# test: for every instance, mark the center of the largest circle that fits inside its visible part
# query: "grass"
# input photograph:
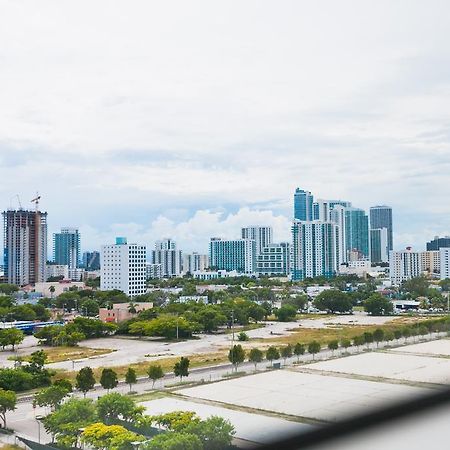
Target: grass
(59, 354)
(249, 327)
(10, 447)
(200, 360)
(149, 396)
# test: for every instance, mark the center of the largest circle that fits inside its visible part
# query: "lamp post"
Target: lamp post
(38, 419)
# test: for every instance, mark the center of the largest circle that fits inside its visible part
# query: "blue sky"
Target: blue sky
(191, 119)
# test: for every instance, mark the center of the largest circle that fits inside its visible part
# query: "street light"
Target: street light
(38, 419)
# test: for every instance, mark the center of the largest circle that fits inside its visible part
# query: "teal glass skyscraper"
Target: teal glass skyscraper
(381, 217)
(66, 248)
(357, 231)
(303, 205)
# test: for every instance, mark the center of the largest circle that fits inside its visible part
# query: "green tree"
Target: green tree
(272, 354)
(358, 341)
(333, 301)
(85, 380)
(215, 433)
(378, 335)
(112, 437)
(286, 313)
(8, 289)
(8, 402)
(64, 383)
(286, 352)
(236, 356)
(108, 379)
(243, 336)
(313, 348)
(389, 336)
(368, 338)
(299, 350)
(51, 396)
(423, 330)
(346, 343)
(155, 372)
(11, 336)
(114, 406)
(173, 441)
(333, 346)
(378, 305)
(398, 334)
(181, 368)
(255, 356)
(65, 422)
(130, 377)
(406, 333)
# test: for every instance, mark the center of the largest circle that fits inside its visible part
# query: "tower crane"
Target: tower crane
(36, 201)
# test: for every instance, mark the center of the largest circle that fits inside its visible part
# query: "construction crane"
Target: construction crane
(18, 201)
(36, 201)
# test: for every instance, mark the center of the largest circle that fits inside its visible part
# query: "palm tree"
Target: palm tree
(132, 308)
(52, 290)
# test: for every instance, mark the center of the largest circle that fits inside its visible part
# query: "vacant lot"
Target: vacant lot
(308, 396)
(439, 348)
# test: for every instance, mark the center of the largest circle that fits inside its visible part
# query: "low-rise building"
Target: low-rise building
(215, 274)
(57, 271)
(122, 311)
(53, 289)
(193, 298)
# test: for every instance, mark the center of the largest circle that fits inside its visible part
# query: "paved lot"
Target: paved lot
(324, 398)
(393, 365)
(439, 348)
(251, 427)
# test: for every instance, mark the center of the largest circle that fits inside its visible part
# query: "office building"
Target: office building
(261, 235)
(315, 250)
(381, 217)
(438, 242)
(230, 255)
(25, 246)
(274, 260)
(66, 248)
(153, 271)
(379, 245)
(169, 257)
(430, 262)
(123, 267)
(91, 261)
(323, 208)
(194, 262)
(303, 205)
(404, 265)
(444, 254)
(55, 271)
(357, 231)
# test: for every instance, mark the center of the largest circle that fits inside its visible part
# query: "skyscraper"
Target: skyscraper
(123, 267)
(315, 249)
(379, 248)
(303, 205)
(381, 217)
(193, 262)
(323, 208)
(261, 235)
(66, 248)
(438, 242)
(236, 254)
(275, 260)
(169, 257)
(404, 265)
(91, 261)
(25, 246)
(357, 231)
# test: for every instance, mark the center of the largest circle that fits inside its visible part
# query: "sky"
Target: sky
(188, 120)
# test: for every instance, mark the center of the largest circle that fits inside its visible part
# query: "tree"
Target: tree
(255, 356)
(65, 383)
(11, 336)
(286, 352)
(313, 348)
(65, 422)
(130, 377)
(368, 338)
(346, 343)
(155, 372)
(286, 313)
(108, 379)
(215, 433)
(173, 441)
(51, 396)
(85, 380)
(115, 406)
(272, 353)
(299, 350)
(398, 334)
(423, 330)
(175, 420)
(378, 335)
(333, 346)
(333, 301)
(114, 437)
(181, 368)
(378, 305)
(236, 356)
(406, 333)
(267, 306)
(358, 341)
(243, 336)
(165, 325)
(8, 402)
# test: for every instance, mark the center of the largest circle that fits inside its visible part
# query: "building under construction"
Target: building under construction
(25, 246)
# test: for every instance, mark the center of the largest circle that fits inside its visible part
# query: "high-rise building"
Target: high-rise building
(323, 208)
(66, 248)
(194, 262)
(315, 249)
(154, 271)
(25, 246)
(381, 217)
(379, 246)
(261, 235)
(430, 262)
(123, 267)
(404, 265)
(169, 257)
(438, 242)
(237, 254)
(357, 231)
(303, 205)
(444, 253)
(91, 261)
(274, 260)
